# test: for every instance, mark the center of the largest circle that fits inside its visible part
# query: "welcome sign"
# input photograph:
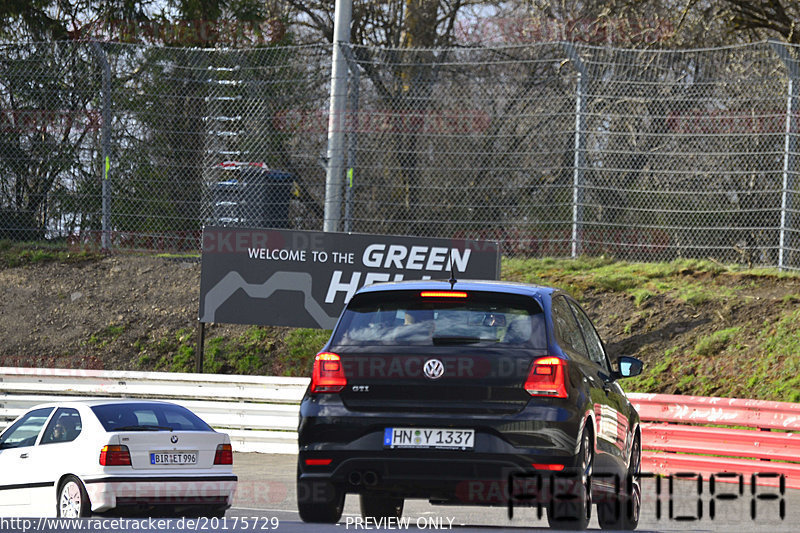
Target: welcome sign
(304, 278)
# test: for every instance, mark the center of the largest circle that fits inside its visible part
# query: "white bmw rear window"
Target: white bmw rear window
(148, 416)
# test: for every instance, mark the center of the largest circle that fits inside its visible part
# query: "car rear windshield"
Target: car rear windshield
(148, 417)
(409, 318)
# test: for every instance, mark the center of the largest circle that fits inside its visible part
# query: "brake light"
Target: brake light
(443, 294)
(328, 374)
(547, 378)
(318, 462)
(224, 455)
(550, 467)
(115, 456)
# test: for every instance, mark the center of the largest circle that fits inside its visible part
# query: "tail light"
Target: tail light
(115, 456)
(547, 378)
(328, 374)
(548, 466)
(224, 455)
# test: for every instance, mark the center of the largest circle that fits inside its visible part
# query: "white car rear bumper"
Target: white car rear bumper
(210, 491)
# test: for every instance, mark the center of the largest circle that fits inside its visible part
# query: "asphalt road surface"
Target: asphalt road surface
(266, 501)
(266, 490)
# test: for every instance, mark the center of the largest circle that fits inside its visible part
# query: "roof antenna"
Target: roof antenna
(452, 279)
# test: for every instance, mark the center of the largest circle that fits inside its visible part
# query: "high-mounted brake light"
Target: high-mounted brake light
(115, 456)
(328, 374)
(443, 294)
(223, 455)
(547, 378)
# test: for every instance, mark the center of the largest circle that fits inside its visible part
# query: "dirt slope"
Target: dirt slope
(124, 312)
(49, 312)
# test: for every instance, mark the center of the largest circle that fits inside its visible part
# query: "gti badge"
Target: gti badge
(173, 439)
(434, 369)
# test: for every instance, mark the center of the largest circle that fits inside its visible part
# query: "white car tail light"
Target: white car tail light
(115, 456)
(224, 455)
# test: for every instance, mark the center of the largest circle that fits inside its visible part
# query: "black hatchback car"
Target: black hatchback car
(469, 393)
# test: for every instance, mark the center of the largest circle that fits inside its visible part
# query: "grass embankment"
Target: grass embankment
(256, 351)
(701, 327)
(15, 254)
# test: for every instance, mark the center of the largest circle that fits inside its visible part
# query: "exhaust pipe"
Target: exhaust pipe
(370, 478)
(354, 478)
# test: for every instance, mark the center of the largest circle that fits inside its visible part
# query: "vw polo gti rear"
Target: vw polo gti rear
(454, 393)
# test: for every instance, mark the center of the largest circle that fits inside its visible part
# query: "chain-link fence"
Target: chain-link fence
(555, 149)
(195, 136)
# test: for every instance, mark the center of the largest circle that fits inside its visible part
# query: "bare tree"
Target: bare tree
(704, 23)
(761, 18)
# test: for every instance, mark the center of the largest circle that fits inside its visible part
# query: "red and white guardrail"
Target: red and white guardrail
(705, 436)
(260, 414)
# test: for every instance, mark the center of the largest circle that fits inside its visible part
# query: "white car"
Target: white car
(73, 459)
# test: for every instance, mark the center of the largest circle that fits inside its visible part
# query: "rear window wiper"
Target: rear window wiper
(142, 428)
(458, 339)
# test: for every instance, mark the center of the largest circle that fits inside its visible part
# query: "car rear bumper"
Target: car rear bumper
(348, 449)
(456, 477)
(175, 491)
(327, 425)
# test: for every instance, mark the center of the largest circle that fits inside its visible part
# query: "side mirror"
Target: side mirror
(629, 366)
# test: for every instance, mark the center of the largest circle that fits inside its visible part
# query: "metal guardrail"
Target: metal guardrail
(673, 442)
(261, 413)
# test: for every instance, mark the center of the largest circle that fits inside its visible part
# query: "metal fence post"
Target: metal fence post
(789, 148)
(352, 136)
(100, 54)
(580, 149)
(336, 122)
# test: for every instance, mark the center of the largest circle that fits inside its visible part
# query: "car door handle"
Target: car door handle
(23, 456)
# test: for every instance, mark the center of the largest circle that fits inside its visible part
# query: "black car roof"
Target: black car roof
(508, 287)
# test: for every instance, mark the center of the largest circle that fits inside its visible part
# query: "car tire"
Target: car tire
(72, 500)
(378, 506)
(319, 502)
(623, 512)
(574, 514)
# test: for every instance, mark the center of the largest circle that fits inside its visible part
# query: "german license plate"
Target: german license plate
(438, 438)
(173, 458)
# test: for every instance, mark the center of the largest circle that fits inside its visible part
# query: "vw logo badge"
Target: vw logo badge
(434, 369)
(173, 439)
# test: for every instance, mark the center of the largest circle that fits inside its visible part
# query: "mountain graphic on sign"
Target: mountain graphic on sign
(279, 281)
